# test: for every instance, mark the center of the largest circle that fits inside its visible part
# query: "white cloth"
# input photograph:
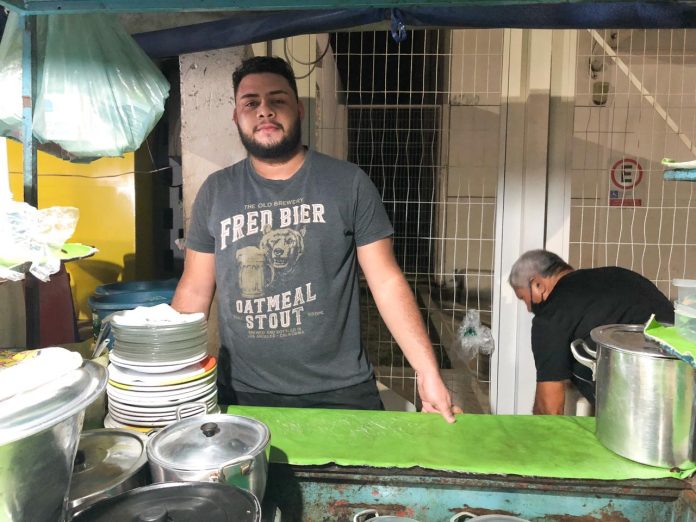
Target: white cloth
(33, 368)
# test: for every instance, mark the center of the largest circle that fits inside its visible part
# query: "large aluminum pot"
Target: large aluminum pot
(39, 433)
(644, 397)
(212, 448)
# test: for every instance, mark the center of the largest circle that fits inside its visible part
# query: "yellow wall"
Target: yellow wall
(104, 191)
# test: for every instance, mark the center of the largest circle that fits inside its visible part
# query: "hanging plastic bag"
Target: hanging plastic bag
(34, 237)
(474, 338)
(98, 94)
(11, 79)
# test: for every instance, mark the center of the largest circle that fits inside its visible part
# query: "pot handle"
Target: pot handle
(365, 514)
(246, 465)
(190, 405)
(585, 361)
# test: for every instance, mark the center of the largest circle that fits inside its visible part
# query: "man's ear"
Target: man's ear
(234, 114)
(300, 109)
(542, 286)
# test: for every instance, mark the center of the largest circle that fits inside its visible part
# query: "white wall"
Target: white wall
(209, 137)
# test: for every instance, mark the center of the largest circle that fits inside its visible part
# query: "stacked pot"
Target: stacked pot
(210, 466)
(39, 433)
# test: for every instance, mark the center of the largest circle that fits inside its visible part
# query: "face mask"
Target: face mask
(535, 307)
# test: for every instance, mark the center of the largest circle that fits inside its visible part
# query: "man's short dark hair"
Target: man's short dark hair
(264, 64)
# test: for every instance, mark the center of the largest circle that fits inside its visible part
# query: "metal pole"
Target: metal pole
(31, 194)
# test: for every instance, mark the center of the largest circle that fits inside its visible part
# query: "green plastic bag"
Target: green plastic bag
(98, 93)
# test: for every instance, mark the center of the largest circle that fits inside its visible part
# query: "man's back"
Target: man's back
(582, 300)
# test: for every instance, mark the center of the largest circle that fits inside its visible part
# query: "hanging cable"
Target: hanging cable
(312, 64)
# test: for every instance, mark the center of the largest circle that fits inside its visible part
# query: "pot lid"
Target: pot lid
(105, 459)
(628, 338)
(177, 502)
(207, 441)
(35, 410)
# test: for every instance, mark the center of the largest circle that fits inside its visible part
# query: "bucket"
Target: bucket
(116, 297)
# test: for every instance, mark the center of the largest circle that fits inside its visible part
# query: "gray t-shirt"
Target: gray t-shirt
(287, 271)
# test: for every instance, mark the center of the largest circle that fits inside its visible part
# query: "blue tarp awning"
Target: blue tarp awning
(264, 23)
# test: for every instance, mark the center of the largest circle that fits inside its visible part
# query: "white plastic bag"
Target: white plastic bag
(474, 338)
(98, 93)
(28, 235)
(11, 79)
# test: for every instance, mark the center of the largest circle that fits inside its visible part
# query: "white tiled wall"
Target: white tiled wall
(655, 84)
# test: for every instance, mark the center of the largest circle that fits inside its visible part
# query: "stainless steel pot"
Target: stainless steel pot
(176, 501)
(108, 462)
(39, 433)
(470, 517)
(212, 448)
(644, 397)
(372, 514)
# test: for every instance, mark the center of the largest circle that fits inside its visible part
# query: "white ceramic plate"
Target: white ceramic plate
(156, 367)
(160, 421)
(204, 379)
(124, 377)
(109, 422)
(170, 406)
(150, 399)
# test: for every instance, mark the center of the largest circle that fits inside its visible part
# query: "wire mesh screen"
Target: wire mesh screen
(635, 105)
(398, 147)
(422, 118)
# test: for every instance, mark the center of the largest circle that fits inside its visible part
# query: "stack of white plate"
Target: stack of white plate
(159, 373)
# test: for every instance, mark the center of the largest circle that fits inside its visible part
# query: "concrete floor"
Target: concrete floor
(468, 391)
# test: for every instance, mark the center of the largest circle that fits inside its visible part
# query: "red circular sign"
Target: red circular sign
(626, 173)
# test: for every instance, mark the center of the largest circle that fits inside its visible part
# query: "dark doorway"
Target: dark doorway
(397, 147)
(392, 91)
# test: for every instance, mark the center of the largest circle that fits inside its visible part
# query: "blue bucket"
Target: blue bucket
(116, 297)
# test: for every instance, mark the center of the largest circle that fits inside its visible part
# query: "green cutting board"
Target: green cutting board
(526, 445)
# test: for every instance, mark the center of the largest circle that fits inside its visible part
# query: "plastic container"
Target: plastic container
(164, 285)
(116, 297)
(685, 321)
(686, 291)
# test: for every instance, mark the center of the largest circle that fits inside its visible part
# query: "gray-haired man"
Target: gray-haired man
(567, 304)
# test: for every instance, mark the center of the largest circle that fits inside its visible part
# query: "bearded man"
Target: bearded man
(289, 318)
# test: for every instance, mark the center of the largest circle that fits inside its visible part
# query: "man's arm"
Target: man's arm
(550, 398)
(397, 306)
(195, 290)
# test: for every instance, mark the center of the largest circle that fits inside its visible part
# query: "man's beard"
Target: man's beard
(274, 152)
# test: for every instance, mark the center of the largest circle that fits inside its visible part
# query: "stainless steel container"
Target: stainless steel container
(108, 462)
(645, 397)
(372, 514)
(176, 501)
(39, 433)
(212, 448)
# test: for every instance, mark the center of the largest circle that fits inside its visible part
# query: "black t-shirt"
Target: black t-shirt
(582, 300)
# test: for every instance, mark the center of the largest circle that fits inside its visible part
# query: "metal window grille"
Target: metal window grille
(635, 104)
(422, 118)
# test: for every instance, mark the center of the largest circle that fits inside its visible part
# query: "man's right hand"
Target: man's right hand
(436, 397)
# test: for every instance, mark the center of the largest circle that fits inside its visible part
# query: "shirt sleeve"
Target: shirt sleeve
(198, 235)
(371, 219)
(551, 349)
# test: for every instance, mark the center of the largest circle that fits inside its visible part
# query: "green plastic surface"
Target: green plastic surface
(669, 339)
(525, 445)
